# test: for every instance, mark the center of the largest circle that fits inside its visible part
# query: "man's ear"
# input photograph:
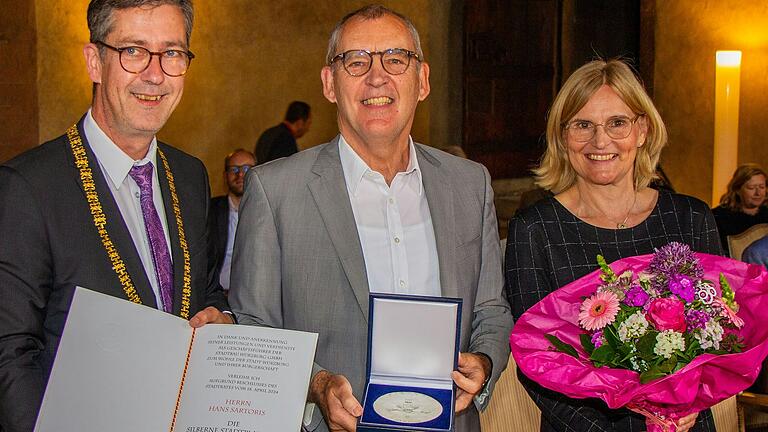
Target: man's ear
(423, 81)
(326, 76)
(93, 62)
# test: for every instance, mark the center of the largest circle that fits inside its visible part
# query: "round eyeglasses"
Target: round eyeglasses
(615, 127)
(358, 62)
(237, 169)
(135, 59)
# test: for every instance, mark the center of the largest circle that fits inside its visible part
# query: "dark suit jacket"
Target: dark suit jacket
(218, 227)
(274, 143)
(50, 245)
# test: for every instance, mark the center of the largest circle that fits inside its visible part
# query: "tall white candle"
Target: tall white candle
(727, 81)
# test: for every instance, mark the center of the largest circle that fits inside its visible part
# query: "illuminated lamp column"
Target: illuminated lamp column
(727, 77)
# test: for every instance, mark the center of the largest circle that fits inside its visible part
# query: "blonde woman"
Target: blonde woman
(604, 138)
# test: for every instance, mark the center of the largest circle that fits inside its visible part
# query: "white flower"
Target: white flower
(667, 342)
(705, 292)
(633, 327)
(710, 336)
(638, 364)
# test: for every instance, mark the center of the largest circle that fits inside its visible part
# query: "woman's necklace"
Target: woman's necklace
(623, 223)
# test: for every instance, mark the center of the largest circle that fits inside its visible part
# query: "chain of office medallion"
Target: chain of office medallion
(100, 221)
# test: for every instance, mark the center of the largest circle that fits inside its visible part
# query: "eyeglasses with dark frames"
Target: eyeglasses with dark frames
(395, 61)
(615, 127)
(136, 59)
(237, 169)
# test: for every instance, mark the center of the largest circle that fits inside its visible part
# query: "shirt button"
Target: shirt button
(397, 239)
(391, 200)
(138, 195)
(402, 283)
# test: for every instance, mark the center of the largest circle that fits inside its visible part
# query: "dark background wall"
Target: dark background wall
(489, 95)
(18, 77)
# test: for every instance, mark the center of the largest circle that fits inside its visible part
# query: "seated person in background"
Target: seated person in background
(604, 139)
(743, 205)
(280, 141)
(757, 252)
(223, 213)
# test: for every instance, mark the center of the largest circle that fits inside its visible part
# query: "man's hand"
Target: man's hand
(333, 394)
(473, 370)
(210, 315)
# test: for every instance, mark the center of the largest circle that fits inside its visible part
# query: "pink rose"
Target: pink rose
(667, 314)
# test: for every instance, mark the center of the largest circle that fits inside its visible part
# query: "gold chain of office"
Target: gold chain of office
(100, 221)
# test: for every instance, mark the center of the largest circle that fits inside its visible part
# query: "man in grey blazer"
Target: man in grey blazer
(372, 211)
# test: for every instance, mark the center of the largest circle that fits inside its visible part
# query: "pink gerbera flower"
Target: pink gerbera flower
(728, 313)
(599, 310)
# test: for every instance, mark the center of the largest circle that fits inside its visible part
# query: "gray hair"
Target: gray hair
(101, 19)
(371, 12)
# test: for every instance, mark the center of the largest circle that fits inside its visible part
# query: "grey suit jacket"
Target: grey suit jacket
(298, 263)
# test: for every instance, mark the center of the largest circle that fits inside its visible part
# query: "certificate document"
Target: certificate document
(125, 367)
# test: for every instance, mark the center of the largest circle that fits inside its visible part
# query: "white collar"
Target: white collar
(355, 168)
(112, 159)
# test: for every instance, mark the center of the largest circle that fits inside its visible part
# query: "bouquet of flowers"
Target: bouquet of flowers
(653, 333)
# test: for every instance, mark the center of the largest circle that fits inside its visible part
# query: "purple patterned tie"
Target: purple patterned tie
(160, 256)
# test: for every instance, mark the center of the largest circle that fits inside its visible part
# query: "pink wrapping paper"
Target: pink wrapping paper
(707, 380)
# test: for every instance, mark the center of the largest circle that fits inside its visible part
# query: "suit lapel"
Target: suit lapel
(177, 254)
(330, 194)
(118, 231)
(440, 200)
(222, 228)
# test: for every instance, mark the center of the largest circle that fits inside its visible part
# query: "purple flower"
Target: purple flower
(673, 259)
(636, 296)
(682, 286)
(597, 338)
(696, 319)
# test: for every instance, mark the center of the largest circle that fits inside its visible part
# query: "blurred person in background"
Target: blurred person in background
(743, 205)
(224, 211)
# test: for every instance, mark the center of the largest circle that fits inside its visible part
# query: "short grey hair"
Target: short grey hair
(371, 12)
(101, 18)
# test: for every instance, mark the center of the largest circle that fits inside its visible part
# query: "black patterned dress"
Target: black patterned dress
(549, 247)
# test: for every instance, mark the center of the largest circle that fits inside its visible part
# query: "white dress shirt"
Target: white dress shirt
(394, 225)
(226, 265)
(116, 165)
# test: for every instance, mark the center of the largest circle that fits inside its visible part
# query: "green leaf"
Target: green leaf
(562, 346)
(651, 374)
(645, 345)
(668, 365)
(610, 335)
(603, 355)
(586, 343)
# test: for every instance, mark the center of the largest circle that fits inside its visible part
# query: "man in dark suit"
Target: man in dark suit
(223, 214)
(280, 141)
(105, 206)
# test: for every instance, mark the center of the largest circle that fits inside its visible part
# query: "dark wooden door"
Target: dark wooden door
(516, 54)
(510, 73)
